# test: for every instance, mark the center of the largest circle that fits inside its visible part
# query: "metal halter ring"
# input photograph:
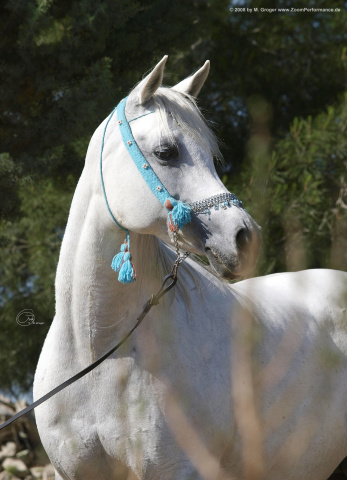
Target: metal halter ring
(222, 200)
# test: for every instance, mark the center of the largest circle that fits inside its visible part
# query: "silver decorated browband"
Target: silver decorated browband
(223, 200)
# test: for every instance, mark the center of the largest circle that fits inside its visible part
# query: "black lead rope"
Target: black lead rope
(154, 300)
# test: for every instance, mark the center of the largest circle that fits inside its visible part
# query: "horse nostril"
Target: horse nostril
(243, 239)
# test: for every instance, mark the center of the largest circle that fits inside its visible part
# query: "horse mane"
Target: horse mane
(185, 112)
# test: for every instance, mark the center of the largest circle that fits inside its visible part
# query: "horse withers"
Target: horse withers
(221, 381)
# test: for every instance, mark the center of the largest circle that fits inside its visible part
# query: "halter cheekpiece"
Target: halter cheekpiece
(179, 213)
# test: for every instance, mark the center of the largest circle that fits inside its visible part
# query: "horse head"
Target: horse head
(167, 130)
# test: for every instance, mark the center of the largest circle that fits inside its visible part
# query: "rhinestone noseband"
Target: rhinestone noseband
(223, 200)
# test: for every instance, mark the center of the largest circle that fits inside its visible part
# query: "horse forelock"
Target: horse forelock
(182, 108)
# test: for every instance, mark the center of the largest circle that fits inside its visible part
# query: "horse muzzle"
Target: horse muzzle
(234, 255)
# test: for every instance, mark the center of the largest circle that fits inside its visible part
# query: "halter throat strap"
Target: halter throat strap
(102, 176)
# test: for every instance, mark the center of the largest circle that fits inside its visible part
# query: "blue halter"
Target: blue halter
(178, 212)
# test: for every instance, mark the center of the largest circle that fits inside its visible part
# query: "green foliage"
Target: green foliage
(64, 65)
(295, 61)
(28, 259)
(8, 177)
(301, 193)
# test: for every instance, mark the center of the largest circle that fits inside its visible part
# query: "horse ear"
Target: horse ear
(148, 86)
(194, 83)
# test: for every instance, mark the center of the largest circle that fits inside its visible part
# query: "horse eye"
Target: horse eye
(166, 152)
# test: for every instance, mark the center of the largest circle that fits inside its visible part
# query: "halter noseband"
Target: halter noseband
(179, 213)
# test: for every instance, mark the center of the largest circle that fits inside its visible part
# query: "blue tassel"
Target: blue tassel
(179, 216)
(118, 259)
(127, 272)
(122, 262)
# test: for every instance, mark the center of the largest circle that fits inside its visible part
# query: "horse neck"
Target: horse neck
(92, 307)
